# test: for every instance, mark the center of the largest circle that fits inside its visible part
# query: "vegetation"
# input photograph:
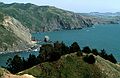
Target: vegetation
(70, 66)
(89, 59)
(3, 71)
(52, 53)
(7, 38)
(44, 18)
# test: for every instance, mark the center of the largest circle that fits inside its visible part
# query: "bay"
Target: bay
(99, 36)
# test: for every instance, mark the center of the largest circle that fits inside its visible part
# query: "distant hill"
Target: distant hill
(73, 66)
(44, 18)
(103, 18)
(13, 35)
(49, 18)
(106, 14)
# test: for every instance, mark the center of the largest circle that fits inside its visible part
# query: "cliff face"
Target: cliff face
(13, 35)
(49, 18)
(17, 28)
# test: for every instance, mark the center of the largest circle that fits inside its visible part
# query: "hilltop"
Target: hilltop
(73, 66)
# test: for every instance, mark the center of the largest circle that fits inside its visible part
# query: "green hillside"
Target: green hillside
(44, 18)
(73, 66)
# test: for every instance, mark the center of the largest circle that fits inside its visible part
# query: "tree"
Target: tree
(89, 59)
(65, 49)
(95, 51)
(61, 48)
(45, 50)
(32, 60)
(74, 47)
(15, 65)
(103, 54)
(86, 50)
(112, 58)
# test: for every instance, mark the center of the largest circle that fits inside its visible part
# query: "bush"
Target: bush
(90, 59)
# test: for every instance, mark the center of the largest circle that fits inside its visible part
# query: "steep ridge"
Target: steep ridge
(13, 35)
(49, 18)
(44, 18)
(73, 66)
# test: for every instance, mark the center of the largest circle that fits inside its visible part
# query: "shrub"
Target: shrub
(90, 59)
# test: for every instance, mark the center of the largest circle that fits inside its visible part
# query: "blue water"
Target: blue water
(4, 57)
(100, 36)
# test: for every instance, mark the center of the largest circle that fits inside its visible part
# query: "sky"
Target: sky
(80, 6)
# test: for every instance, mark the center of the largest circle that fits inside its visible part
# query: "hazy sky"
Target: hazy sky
(77, 5)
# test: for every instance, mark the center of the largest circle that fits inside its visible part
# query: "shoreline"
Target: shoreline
(32, 48)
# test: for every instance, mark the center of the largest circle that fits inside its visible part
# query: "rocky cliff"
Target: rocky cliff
(49, 18)
(13, 35)
(44, 18)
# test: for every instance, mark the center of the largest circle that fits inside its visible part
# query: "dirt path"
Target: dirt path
(17, 76)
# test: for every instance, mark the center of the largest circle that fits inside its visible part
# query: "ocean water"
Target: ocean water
(99, 36)
(6, 56)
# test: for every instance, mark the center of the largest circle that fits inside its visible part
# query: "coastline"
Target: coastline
(32, 48)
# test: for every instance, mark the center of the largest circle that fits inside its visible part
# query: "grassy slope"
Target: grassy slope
(38, 17)
(3, 71)
(7, 38)
(69, 66)
(109, 69)
(11, 37)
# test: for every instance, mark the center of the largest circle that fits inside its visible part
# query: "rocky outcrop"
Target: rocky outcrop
(13, 25)
(13, 35)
